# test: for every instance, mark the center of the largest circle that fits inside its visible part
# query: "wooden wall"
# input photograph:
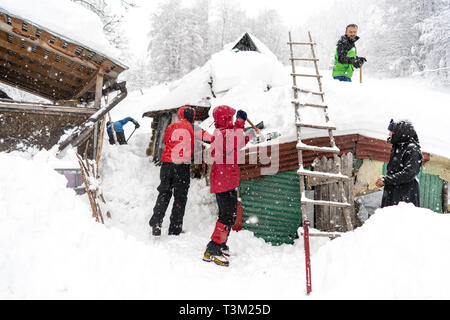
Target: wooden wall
(19, 130)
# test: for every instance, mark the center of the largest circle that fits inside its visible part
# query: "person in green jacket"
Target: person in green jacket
(345, 59)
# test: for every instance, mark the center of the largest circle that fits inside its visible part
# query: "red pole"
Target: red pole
(306, 225)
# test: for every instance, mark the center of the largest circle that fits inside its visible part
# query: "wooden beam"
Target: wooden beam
(39, 94)
(37, 53)
(35, 66)
(33, 72)
(98, 89)
(88, 86)
(43, 109)
(75, 51)
(84, 131)
(33, 80)
(34, 87)
(37, 41)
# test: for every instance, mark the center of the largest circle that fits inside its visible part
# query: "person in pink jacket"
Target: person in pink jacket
(228, 139)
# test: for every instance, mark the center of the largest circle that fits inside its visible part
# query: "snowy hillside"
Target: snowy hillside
(51, 247)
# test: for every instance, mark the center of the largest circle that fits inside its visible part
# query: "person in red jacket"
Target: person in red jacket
(178, 147)
(228, 139)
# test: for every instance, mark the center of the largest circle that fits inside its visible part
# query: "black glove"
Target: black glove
(359, 61)
(241, 115)
(136, 124)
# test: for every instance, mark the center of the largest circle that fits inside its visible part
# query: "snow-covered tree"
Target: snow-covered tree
(433, 46)
(112, 14)
(176, 44)
(228, 23)
(268, 27)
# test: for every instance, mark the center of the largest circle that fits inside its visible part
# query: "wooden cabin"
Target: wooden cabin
(71, 77)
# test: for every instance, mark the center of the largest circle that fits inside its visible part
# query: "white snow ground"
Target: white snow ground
(51, 247)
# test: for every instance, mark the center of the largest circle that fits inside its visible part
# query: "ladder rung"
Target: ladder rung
(305, 125)
(303, 146)
(309, 91)
(310, 104)
(326, 203)
(304, 59)
(303, 43)
(323, 234)
(319, 174)
(306, 75)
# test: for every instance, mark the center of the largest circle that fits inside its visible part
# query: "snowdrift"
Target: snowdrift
(51, 247)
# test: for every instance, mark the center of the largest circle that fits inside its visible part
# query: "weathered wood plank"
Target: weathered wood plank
(51, 110)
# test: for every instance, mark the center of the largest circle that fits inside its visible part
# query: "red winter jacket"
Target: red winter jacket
(227, 141)
(179, 140)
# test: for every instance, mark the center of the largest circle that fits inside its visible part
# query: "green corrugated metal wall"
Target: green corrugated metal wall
(430, 190)
(272, 207)
(272, 204)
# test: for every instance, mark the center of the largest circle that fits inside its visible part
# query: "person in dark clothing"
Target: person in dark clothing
(178, 145)
(118, 128)
(345, 59)
(400, 182)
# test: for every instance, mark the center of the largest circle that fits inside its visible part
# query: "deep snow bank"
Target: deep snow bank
(399, 253)
(51, 247)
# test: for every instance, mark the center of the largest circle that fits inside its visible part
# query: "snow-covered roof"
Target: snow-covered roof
(65, 19)
(225, 71)
(55, 49)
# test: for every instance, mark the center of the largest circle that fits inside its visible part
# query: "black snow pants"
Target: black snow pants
(227, 203)
(120, 138)
(175, 178)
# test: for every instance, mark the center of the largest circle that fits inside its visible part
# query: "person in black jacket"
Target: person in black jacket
(400, 182)
(345, 59)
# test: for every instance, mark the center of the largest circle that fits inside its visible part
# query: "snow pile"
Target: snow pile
(399, 253)
(230, 69)
(51, 247)
(65, 18)
(367, 109)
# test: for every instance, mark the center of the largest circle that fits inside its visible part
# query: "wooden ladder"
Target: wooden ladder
(326, 176)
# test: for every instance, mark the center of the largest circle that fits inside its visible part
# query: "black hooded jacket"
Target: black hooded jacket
(400, 183)
(343, 47)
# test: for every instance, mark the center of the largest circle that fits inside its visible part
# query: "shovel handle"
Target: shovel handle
(360, 75)
(253, 126)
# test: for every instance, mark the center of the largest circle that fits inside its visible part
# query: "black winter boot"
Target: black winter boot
(214, 253)
(225, 249)
(156, 231)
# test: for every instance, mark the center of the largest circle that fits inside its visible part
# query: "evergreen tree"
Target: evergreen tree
(434, 43)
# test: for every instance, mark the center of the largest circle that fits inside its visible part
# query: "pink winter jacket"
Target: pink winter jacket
(227, 141)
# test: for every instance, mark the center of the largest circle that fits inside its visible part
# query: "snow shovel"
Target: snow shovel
(131, 134)
(256, 130)
(360, 74)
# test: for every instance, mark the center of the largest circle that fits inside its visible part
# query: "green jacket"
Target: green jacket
(345, 53)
